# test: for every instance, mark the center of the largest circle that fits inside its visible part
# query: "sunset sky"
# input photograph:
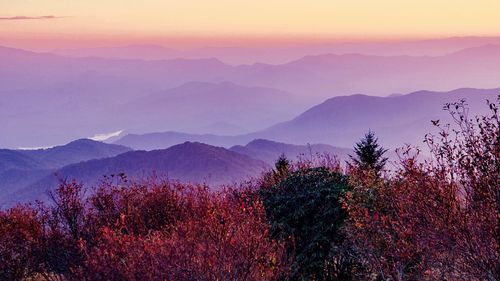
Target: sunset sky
(57, 23)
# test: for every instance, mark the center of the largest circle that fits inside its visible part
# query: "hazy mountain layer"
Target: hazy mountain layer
(270, 151)
(397, 120)
(341, 121)
(277, 55)
(49, 99)
(19, 168)
(187, 162)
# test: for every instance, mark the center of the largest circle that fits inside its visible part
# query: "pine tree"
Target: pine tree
(282, 166)
(369, 154)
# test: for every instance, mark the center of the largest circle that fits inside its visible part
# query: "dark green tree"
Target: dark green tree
(282, 167)
(305, 208)
(369, 155)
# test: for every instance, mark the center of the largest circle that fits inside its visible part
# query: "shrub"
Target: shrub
(436, 220)
(304, 209)
(20, 241)
(220, 236)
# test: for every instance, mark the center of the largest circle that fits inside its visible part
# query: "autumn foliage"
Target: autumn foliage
(437, 219)
(130, 231)
(430, 219)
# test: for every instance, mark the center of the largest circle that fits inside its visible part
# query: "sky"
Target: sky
(57, 23)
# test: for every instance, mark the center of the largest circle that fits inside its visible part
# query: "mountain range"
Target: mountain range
(269, 151)
(49, 98)
(187, 162)
(27, 174)
(396, 120)
(341, 121)
(58, 156)
(202, 107)
(20, 168)
(204, 118)
(280, 55)
(161, 140)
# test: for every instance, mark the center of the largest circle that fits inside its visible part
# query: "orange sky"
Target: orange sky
(225, 22)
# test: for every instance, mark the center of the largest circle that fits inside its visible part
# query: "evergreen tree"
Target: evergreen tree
(282, 167)
(306, 208)
(369, 155)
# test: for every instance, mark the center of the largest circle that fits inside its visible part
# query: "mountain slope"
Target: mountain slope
(74, 152)
(19, 168)
(196, 105)
(187, 162)
(342, 121)
(164, 140)
(331, 74)
(57, 98)
(242, 55)
(396, 120)
(17, 160)
(58, 156)
(269, 151)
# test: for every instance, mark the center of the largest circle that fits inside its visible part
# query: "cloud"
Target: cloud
(103, 137)
(35, 148)
(30, 18)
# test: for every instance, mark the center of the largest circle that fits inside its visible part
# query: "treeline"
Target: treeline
(436, 219)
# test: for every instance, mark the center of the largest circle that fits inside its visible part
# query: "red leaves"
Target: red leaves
(20, 243)
(152, 231)
(439, 219)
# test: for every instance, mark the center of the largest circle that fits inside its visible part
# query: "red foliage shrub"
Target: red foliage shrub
(437, 220)
(147, 207)
(215, 237)
(140, 231)
(20, 240)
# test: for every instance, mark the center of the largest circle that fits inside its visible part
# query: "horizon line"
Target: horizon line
(199, 42)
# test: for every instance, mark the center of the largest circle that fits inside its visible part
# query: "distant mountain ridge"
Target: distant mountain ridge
(187, 162)
(269, 151)
(243, 55)
(162, 140)
(396, 120)
(202, 104)
(91, 90)
(19, 168)
(341, 121)
(17, 160)
(58, 156)
(74, 152)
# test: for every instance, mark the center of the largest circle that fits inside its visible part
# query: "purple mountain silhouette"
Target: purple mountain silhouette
(396, 120)
(279, 55)
(19, 168)
(269, 151)
(196, 105)
(187, 162)
(162, 140)
(49, 99)
(341, 121)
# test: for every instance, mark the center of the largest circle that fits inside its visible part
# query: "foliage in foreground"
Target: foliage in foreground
(437, 220)
(158, 231)
(304, 209)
